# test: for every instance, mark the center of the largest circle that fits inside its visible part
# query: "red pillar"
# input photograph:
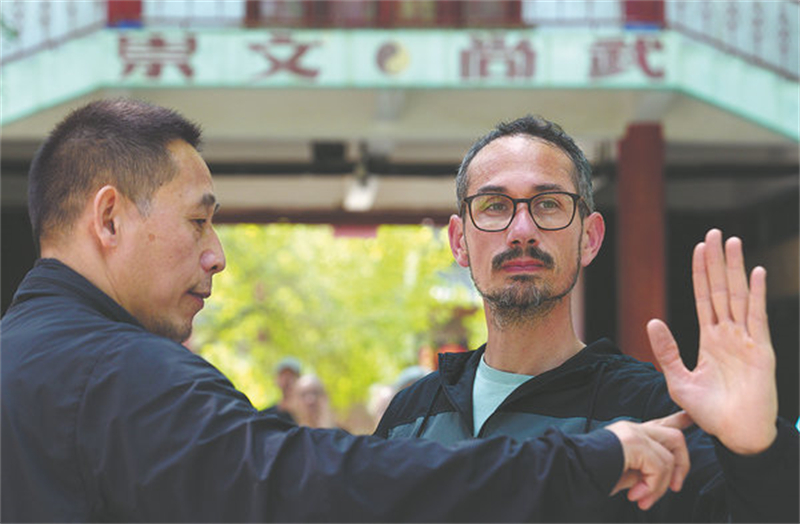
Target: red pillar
(644, 13)
(641, 277)
(124, 13)
(252, 13)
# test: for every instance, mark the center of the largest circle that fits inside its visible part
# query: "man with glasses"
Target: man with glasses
(525, 228)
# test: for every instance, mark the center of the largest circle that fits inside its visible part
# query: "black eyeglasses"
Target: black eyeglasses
(551, 211)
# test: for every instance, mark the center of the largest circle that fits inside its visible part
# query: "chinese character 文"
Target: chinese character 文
(615, 56)
(283, 45)
(492, 58)
(154, 52)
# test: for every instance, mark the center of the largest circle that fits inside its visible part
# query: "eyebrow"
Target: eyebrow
(209, 200)
(539, 188)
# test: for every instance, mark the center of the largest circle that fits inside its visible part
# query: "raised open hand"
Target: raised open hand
(731, 393)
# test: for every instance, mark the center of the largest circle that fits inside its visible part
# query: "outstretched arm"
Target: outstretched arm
(731, 394)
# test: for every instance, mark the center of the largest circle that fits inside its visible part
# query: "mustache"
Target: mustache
(533, 252)
(204, 288)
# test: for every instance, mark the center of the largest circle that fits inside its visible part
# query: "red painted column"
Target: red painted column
(124, 13)
(641, 276)
(644, 13)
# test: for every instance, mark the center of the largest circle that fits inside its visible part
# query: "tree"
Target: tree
(353, 310)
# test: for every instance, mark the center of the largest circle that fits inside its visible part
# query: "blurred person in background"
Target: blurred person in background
(379, 397)
(106, 416)
(526, 226)
(408, 377)
(287, 371)
(312, 405)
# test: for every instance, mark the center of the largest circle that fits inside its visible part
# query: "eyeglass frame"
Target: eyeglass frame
(576, 199)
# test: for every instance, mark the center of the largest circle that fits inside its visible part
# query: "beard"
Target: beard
(529, 297)
(177, 332)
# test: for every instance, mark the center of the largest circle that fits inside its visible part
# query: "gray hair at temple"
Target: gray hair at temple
(542, 129)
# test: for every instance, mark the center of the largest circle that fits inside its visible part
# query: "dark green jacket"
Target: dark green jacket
(594, 388)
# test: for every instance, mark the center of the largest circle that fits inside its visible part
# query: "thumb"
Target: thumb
(665, 350)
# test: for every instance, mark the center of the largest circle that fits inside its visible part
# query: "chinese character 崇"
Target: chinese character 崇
(155, 52)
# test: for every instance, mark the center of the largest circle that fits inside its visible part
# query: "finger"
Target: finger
(676, 444)
(667, 431)
(678, 420)
(702, 295)
(640, 452)
(717, 274)
(682, 465)
(666, 352)
(628, 479)
(737, 280)
(757, 323)
(656, 473)
(639, 491)
(648, 501)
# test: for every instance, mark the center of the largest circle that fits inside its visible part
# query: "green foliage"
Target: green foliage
(353, 310)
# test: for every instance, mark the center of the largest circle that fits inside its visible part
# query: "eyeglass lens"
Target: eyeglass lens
(494, 212)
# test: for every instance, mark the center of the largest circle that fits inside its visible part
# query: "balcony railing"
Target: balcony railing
(764, 32)
(29, 27)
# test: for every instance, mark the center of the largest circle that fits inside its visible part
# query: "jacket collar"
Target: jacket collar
(457, 372)
(51, 277)
(454, 366)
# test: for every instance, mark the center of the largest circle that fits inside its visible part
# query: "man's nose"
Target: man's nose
(213, 259)
(523, 228)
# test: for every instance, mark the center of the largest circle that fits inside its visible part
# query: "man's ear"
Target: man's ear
(106, 210)
(594, 230)
(458, 244)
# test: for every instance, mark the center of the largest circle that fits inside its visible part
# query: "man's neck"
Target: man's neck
(534, 346)
(81, 258)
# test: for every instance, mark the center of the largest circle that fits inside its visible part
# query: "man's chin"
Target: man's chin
(515, 298)
(524, 278)
(177, 332)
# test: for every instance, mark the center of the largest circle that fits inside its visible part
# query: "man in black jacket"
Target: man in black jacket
(526, 227)
(106, 416)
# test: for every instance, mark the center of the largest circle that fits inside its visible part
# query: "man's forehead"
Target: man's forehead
(517, 146)
(509, 159)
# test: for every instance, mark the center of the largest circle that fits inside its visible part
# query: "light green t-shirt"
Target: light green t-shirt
(490, 389)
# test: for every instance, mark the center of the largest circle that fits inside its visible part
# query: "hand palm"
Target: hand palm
(731, 393)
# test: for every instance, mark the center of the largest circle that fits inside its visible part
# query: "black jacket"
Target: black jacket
(104, 421)
(594, 388)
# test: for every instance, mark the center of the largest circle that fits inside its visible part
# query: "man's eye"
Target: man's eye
(200, 222)
(494, 205)
(548, 204)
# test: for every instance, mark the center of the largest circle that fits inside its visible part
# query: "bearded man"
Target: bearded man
(525, 228)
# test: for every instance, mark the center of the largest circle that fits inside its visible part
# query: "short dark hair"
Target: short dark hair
(122, 142)
(543, 129)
